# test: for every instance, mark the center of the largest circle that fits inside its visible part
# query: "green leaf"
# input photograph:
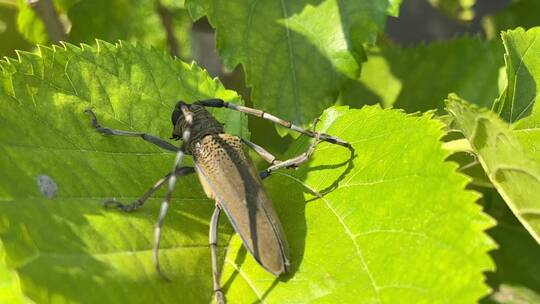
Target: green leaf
(135, 21)
(516, 279)
(116, 19)
(518, 104)
(296, 54)
(393, 224)
(112, 20)
(512, 172)
(396, 76)
(523, 87)
(9, 287)
(68, 248)
(522, 73)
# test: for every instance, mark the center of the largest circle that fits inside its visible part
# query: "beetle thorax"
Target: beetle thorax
(203, 124)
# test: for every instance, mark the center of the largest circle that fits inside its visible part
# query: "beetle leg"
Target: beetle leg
(141, 200)
(276, 164)
(212, 237)
(150, 138)
(293, 162)
(172, 183)
(218, 103)
(267, 156)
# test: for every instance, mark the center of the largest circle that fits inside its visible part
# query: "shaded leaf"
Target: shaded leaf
(68, 248)
(517, 276)
(512, 172)
(396, 76)
(296, 54)
(116, 19)
(518, 14)
(393, 224)
(112, 20)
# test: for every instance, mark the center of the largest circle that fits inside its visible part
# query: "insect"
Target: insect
(227, 176)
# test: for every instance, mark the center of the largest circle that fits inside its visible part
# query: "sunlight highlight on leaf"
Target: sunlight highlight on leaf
(296, 54)
(392, 224)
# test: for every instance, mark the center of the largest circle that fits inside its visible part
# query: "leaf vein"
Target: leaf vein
(291, 60)
(347, 231)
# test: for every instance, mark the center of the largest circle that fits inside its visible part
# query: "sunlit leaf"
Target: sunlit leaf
(397, 76)
(296, 54)
(389, 223)
(522, 74)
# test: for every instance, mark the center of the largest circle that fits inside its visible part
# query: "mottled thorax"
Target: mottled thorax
(203, 124)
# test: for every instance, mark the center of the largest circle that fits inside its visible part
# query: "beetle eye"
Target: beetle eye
(175, 115)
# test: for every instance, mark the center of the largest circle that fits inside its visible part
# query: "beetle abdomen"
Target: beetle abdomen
(229, 176)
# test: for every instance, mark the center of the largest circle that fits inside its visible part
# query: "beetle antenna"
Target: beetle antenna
(172, 183)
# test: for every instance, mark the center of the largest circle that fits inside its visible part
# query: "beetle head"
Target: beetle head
(177, 113)
(200, 121)
(178, 119)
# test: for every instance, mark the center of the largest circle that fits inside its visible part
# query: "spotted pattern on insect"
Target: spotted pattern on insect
(218, 152)
(213, 149)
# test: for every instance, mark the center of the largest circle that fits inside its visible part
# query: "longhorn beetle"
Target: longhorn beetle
(228, 176)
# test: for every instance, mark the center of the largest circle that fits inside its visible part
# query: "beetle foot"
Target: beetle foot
(264, 174)
(116, 204)
(219, 296)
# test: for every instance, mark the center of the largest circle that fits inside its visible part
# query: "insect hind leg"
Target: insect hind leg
(172, 183)
(296, 161)
(212, 240)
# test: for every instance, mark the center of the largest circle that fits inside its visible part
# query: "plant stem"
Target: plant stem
(458, 145)
(166, 17)
(46, 11)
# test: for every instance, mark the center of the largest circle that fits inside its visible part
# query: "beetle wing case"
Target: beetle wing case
(229, 176)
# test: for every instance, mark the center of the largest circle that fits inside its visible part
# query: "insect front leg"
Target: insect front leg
(149, 138)
(172, 183)
(212, 239)
(218, 103)
(141, 200)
